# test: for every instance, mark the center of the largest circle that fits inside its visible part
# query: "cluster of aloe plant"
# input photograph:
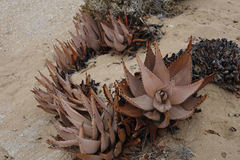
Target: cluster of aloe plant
(95, 36)
(94, 129)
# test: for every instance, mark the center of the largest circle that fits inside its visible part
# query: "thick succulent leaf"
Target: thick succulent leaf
(89, 29)
(151, 82)
(153, 115)
(77, 94)
(81, 135)
(206, 81)
(107, 41)
(89, 146)
(94, 129)
(178, 113)
(66, 52)
(73, 114)
(41, 95)
(90, 33)
(92, 43)
(52, 69)
(51, 66)
(179, 64)
(101, 104)
(46, 79)
(143, 102)
(46, 109)
(60, 54)
(160, 68)
(88, 129)
(69, 130)
(124, 29)
(81, 131)
(193, 102)
(48, 105)
(74, 53)
(85, 102)
(105, 141)
(135, 84)
(118, 45)
(45, 84)
(126, 33)
(150, 57)
(96, 115)
(118, 33)
(181, 93)
(76, 103)
(115, 120)
(76, 39)
(66, 133)
(90, 37)
(184, 76)
(111, 132)
(58, 63)
(130, 110)
(92, 23)
(126, 109)
(165, 122)
(108, 31)
(117, 149)
(67, 143)
(161, 107)
(63, 117)
(65, 85)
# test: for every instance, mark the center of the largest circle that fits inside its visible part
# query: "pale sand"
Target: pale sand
(28, 30)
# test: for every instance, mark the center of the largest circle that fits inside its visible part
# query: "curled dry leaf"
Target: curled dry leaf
(162, 93)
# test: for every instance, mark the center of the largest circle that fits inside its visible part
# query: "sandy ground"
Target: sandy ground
(28, 30)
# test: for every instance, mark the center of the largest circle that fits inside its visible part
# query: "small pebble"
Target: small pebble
(232, 129)
(224, 154)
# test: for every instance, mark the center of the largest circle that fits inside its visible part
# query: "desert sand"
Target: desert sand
(28, 30)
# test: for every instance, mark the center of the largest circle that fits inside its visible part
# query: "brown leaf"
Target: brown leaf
(134, 83)
(212, 132)
(153, 131)
(121, 134)
(133, 142)
(150, 57)
(151, 82)
(107, 93)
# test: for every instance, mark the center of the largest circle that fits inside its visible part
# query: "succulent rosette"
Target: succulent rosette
(100, 33)
(161, 93)
(94, 133)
